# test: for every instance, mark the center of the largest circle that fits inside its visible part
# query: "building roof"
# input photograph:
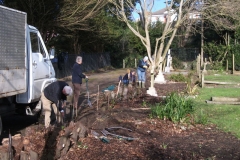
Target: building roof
(160, 12)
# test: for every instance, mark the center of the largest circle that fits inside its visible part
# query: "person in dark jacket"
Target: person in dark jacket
(141, 71)
(128, 81)
(77, 76)
(51, 98)
(129, 77)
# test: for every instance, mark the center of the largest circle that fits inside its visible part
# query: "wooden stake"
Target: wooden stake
(97, 97)
(76, 112)
(108, 99)
(118, 88)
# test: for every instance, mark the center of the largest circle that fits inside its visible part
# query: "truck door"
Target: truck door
(40, 64)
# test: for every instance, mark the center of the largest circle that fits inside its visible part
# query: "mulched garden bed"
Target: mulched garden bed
(153, 138)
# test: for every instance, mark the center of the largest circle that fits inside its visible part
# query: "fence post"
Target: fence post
(198, 64)
(227, 66)
(135, 63)
(202, 79)
(123, 63)
(233, 64)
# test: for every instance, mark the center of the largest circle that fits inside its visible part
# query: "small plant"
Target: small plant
(176, 108)
(112, 103)
(144, 103)
(164, 146)
(191, 87)
(191, 90)
(81, 145)
(177, 78)
(200, 145)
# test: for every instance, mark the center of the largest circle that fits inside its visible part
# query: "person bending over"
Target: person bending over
(51, 98)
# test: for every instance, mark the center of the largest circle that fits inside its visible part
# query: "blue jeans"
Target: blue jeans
(125, 81)
(141, 76)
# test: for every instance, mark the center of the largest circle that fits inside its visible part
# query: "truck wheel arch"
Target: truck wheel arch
(1, 126)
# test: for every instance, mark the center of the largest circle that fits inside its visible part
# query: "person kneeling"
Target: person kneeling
(129, 78)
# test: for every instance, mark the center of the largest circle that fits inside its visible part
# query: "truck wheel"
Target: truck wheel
(1, 125)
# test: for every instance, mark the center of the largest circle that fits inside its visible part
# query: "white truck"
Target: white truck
(25, 66)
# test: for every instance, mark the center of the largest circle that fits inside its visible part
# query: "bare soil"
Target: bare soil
(149, 138)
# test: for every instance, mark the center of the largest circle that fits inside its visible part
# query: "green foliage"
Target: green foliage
(125, 46)
(177, 64)
(235, 49)
(128, 46)
(237, 33)
(218, 66)
(177, 77)
(193, 65)
(130, 60)
(176, 108)
(215, 51)
(155, 31)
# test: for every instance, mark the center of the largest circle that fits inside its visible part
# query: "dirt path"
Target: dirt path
(103, 79)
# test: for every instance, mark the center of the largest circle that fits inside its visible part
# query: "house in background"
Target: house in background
(159, 15)
(162, 15)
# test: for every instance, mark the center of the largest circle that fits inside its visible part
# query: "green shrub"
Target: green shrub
(218, 66)
(200, 118)
(176, 108)
(235, 49)
(177, 64)
(178, 78)
(193, 65)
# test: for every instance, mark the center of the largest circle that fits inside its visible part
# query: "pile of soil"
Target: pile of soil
(146, 138)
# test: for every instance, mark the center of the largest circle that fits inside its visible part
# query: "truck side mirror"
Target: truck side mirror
(51, 56)
(51, 53)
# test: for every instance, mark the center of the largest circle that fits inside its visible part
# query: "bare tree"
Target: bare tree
(176, 15)
(40, 13)
(222, 15)
(74, 14)
(74, 17)
(65, 16)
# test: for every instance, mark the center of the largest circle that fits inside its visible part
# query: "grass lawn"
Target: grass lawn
(223, 78)
(226, 117)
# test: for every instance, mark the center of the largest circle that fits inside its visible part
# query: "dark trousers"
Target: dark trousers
(76, 92)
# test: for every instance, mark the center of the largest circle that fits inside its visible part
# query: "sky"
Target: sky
(158, 4)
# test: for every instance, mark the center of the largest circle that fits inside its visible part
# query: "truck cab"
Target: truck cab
(40, 68)
(25, 65)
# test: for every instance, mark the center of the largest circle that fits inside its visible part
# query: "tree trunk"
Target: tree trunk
(202, 41)
(76, 46)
